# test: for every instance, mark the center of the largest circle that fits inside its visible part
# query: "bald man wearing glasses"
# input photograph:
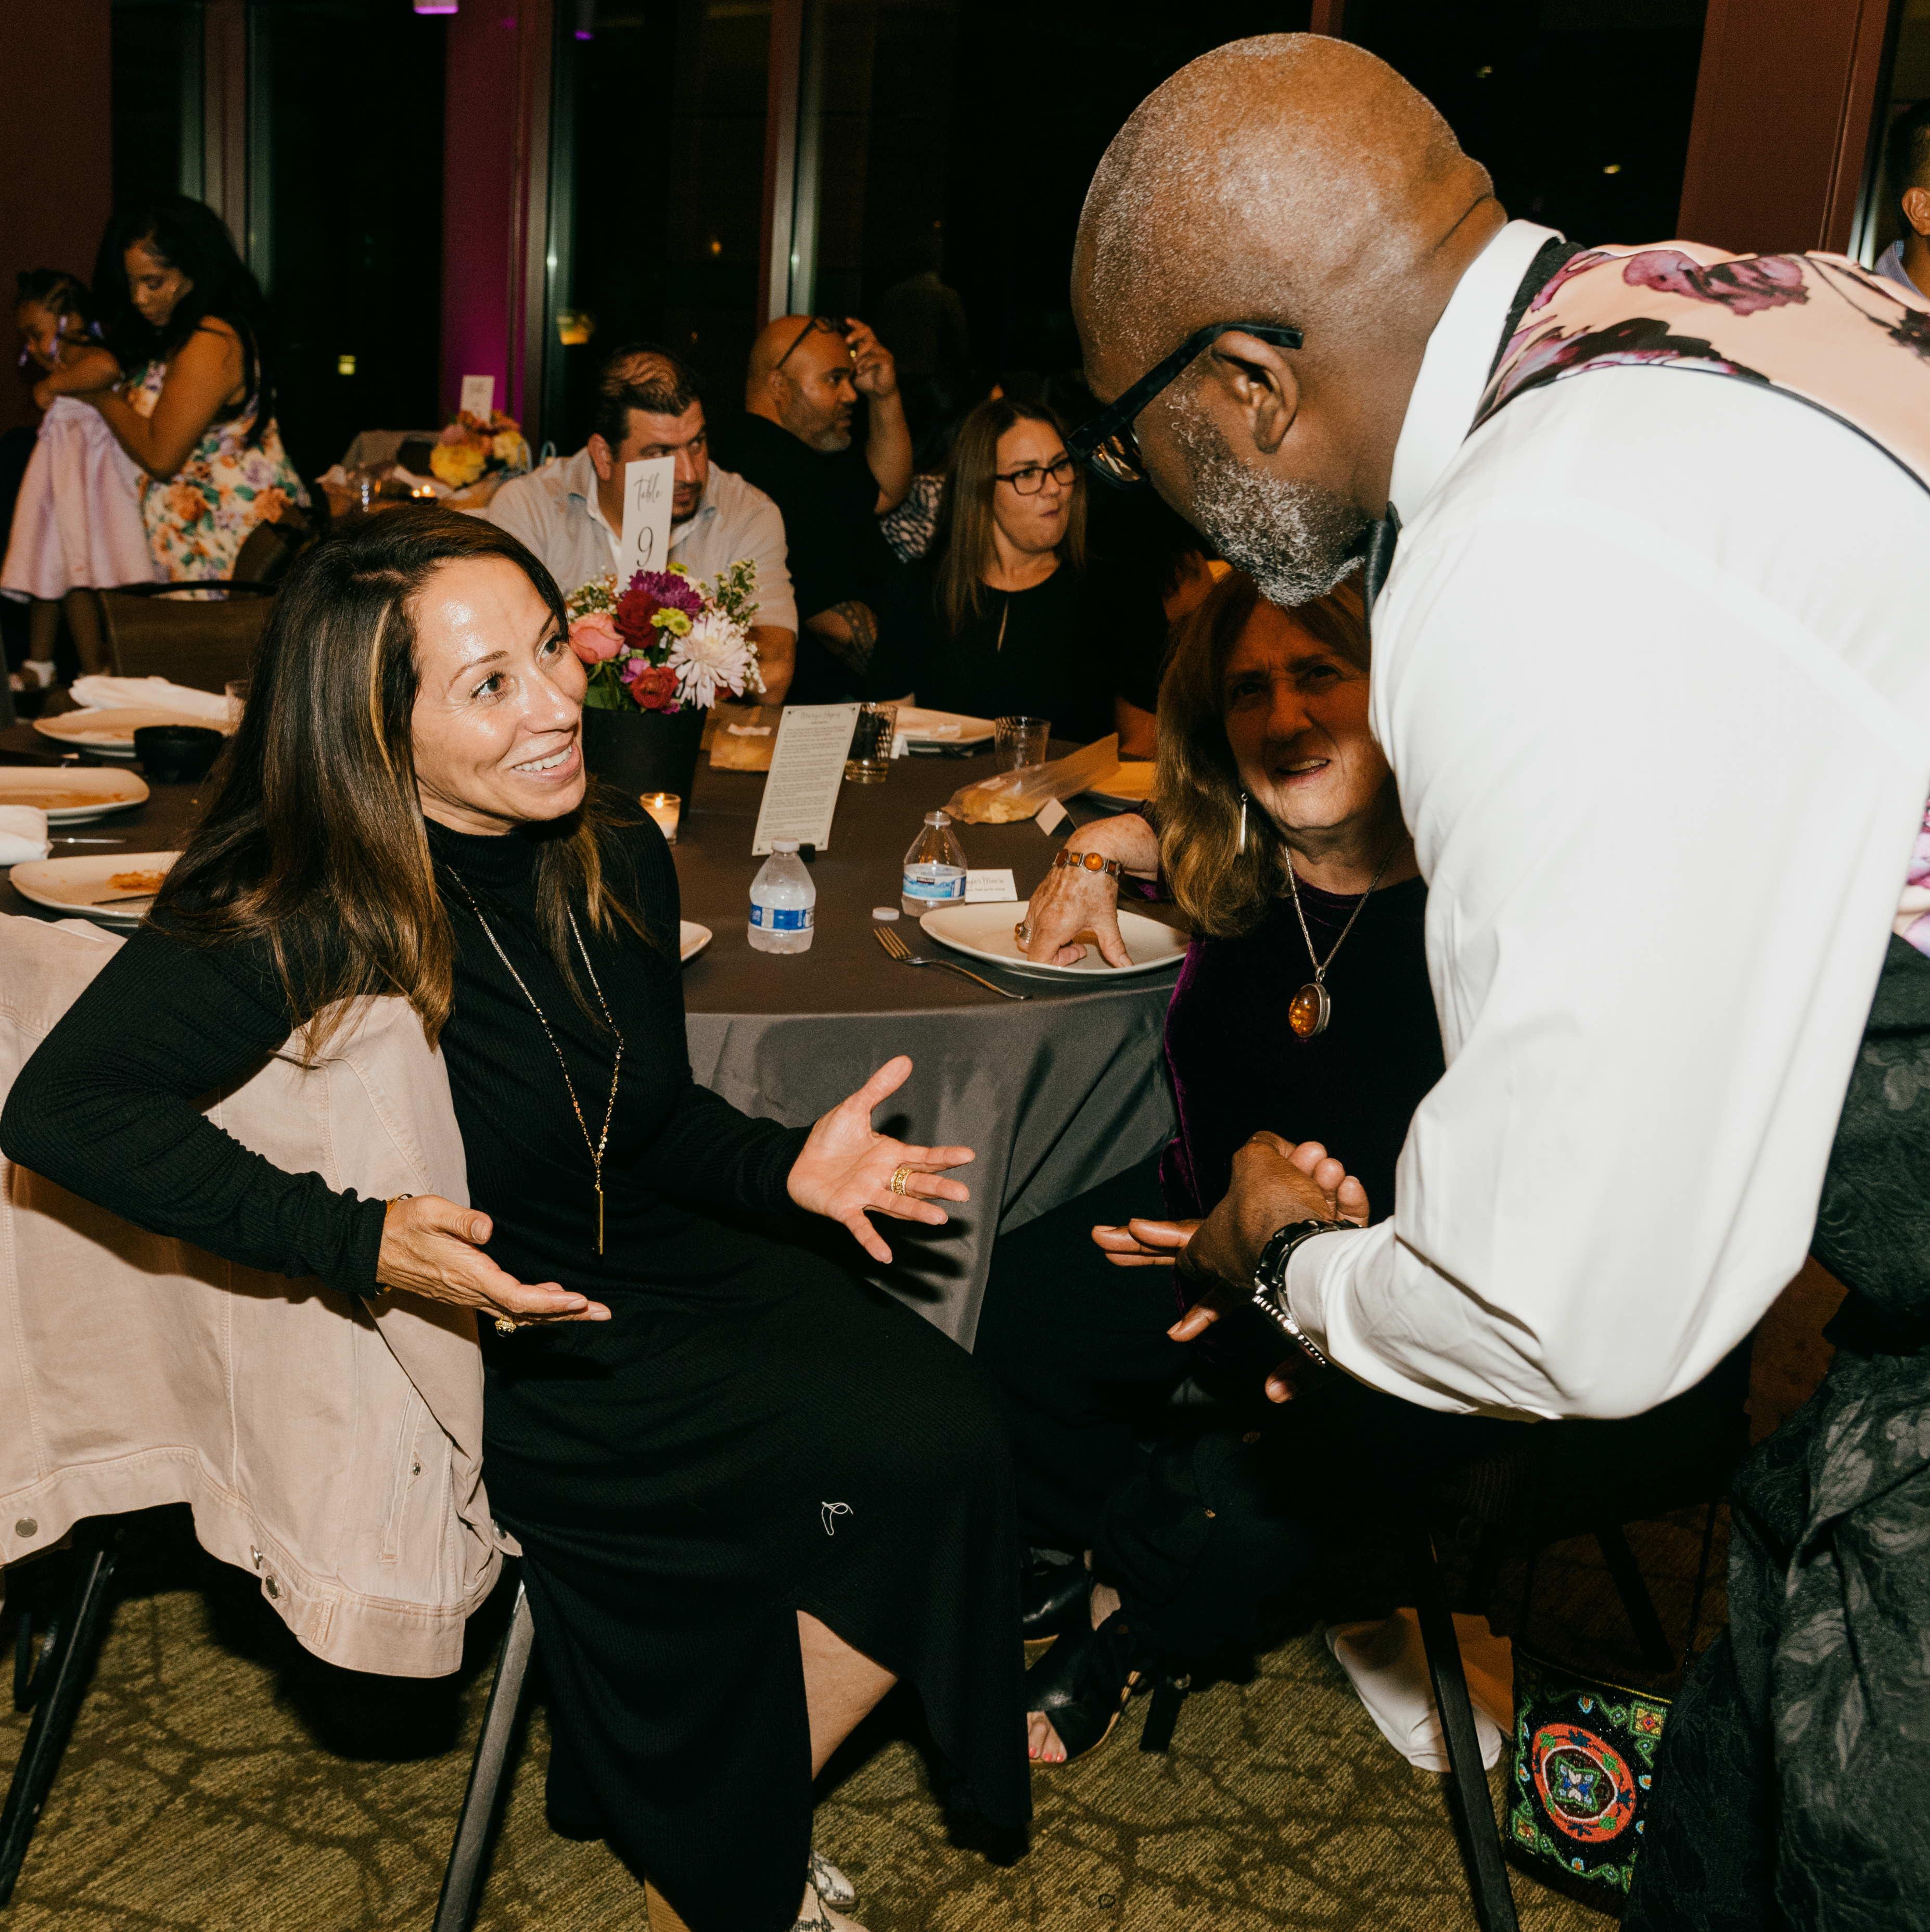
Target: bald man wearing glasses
(794, 442)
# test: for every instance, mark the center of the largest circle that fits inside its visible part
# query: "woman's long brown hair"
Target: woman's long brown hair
(315, 843)
(966, 548)
(1223, 891)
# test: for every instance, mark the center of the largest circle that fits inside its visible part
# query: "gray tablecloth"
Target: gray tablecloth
(1055, 1095)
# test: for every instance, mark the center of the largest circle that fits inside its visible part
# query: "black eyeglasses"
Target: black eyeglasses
(831, 325)
(1029, 477)
(1107, 443)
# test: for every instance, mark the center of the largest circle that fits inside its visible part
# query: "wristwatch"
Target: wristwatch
(1269, 1280)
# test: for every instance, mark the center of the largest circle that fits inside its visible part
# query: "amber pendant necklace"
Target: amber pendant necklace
(1312, 1006)
(596, 1147)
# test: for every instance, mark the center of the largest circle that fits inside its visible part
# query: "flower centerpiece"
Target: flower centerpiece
(473, 447)
(660, 653)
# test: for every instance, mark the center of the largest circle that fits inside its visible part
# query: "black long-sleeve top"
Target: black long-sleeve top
(109, 1104)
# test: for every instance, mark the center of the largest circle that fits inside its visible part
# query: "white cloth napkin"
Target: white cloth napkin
(1387, 1664)
(103, 693)
(23, 834)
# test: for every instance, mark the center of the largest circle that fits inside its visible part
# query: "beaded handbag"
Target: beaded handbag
(1583, 1760)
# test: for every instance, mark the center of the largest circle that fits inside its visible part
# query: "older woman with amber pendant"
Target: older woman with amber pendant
(1284, 795)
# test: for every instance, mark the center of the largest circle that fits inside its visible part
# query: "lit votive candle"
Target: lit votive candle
(666, 808)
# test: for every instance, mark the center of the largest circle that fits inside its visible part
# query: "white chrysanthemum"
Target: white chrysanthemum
(713, 654)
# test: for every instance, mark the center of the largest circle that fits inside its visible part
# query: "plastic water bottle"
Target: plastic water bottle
(782, 897)
(934, 867)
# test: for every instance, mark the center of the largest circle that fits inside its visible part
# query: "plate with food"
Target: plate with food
(116, 889)
(1128, 783)
(986, 932)
(936, 730)
(71, 794)
(109, 731)
(692, 938)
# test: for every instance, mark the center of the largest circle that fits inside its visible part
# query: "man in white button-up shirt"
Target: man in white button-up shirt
(570, 512)
(1650, 669)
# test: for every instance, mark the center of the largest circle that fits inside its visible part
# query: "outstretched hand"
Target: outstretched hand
(845, 1171)
(1139, 1243)
(1275, 1182)
(433, 1248)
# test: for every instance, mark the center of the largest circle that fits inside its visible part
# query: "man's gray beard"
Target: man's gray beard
(1295, 540)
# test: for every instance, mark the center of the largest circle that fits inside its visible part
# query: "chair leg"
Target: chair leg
(1467, 1782)
(1701, 1584)
(1656, 1651)
(462, 1883)
(55, 1691)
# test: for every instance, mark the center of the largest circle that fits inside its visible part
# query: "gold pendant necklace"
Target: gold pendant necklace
(602, 1141)
(1312, 1006)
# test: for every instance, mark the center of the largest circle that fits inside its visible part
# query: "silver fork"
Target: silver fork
(896, 949)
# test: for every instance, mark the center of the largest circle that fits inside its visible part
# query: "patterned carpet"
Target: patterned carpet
(219, 1781)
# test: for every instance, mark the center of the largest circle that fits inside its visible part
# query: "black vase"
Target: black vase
(636, 751)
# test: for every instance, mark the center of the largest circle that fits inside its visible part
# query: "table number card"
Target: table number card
(479, 397)
(648, 488)
(806, 770)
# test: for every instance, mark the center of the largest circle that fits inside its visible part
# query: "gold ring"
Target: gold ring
(1022, 932)
(901, 1176)
(503, 1326)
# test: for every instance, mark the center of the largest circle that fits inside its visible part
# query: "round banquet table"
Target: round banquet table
(1055, 1094)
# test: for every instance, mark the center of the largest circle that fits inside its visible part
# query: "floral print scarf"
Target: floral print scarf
(1777, 320)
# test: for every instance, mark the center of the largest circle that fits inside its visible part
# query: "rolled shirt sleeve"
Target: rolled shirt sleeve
(1664, 789)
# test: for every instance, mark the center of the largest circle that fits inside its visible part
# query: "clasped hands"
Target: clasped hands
(432, 1247)
(1275, 1182)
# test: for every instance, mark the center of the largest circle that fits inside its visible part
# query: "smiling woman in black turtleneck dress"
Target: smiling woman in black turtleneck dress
(751, 1493)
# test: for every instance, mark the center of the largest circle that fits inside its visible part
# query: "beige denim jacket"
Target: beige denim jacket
(332, 1447)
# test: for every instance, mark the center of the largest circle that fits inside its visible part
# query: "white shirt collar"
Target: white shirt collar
(1454, 371)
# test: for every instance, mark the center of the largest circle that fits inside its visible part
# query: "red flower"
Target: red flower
(653, 686)
(634, 609)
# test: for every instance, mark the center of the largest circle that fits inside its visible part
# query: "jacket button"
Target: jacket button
(26, 1526)
(270, 1585)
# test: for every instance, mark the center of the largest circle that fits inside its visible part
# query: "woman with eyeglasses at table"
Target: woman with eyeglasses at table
(751, 1493)
(1003, 619)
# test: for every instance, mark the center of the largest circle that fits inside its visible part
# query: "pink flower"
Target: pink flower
(594, 637)
(1742, 286)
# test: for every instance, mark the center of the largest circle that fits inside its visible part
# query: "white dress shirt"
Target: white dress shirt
(555, 511)
(1652, 672)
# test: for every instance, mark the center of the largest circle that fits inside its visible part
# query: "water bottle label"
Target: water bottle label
(781, 918)
(922, 886)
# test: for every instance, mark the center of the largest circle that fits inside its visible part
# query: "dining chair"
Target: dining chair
(198, 634)
(50, 1683)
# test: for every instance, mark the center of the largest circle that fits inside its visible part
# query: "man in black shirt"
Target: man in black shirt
(794, 441)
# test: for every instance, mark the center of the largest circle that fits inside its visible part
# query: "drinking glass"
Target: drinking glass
(870, 762)
(236, 692)
(1020, 741)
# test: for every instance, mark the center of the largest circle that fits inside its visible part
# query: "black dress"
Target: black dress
(751, 1434)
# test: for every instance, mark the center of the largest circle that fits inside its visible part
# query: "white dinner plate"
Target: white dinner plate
(1129, 783)
(985, 932)
(79, 885)
(942, 727)
(692, 938)
(71, 794)
(109, 730)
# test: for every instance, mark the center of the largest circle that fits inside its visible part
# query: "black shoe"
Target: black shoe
(1082, 1683)
(1053, 1599)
